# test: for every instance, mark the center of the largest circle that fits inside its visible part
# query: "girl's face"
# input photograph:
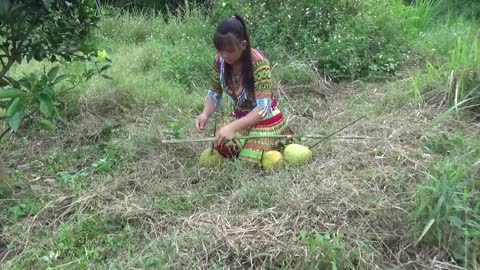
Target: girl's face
(232, 54)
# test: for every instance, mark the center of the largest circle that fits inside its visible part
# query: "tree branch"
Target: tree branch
(24, 119)
(4, 133)
(7, 67)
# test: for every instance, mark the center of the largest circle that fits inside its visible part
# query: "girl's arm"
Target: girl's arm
(212, 102)
(228, 132)
(213, 98)
(249, 120)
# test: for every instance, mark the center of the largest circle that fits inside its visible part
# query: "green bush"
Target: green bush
(162, 6)
(451, 48)
(468, 8)
(346, 38)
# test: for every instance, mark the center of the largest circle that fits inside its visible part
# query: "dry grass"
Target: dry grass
(238, 217)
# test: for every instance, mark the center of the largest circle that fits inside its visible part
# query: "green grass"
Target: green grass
(104, 192)
(451, 48)
(448, 205)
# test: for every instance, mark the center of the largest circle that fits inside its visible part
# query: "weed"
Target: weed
(448, 205)
(72, 179)
(426, 11)
(24, 208)
(327, 251)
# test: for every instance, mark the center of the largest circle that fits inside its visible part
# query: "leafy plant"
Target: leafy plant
(72, 179)
(23, 209)
(52, 30)
(110, 160)
(328, 250)
(30, 95)
(448, 212)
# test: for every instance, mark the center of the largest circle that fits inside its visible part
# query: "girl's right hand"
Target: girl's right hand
(201, 122)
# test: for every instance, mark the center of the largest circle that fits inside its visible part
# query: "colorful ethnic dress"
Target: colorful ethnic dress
(264, 102)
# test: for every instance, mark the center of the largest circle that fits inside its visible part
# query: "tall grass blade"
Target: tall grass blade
(447, 112)
(425, 230)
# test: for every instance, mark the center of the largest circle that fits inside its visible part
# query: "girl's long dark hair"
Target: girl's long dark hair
(230, 31)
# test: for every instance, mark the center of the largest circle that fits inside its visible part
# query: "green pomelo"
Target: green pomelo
(297, 154)
(46, 124)
(210, 159)
(272, 160)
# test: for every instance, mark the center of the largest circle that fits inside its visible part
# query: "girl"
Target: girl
(244, 74)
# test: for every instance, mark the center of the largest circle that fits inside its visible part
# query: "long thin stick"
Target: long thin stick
(273, 136)
(344, 127)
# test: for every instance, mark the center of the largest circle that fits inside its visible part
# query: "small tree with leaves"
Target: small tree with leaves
(55, 31)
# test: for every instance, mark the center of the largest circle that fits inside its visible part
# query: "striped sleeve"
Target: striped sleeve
(215, 91)
(263, 87)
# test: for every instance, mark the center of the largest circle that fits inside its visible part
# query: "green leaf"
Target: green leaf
(53, 73)
(105, 68)
(46, 124)
(10, 93)
(30, 56)
(107, 77)
(18, 105)
(38, 55)
(447, 112)
(62, 78)
(303, 233)
(16, 112)
(15, 120)
(50, 92)
(456, 221)
(46, 104)
(426, 229)
(436, 211)
(12, 82)
(261, 254)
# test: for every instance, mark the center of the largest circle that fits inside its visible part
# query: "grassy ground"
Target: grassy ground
(104, 192)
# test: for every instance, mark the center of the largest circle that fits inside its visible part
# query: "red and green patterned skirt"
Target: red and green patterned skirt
(252, 149)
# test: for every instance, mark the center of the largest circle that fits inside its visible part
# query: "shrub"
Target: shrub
(346, 38)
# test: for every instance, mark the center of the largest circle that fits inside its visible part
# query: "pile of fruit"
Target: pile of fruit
(294, 154)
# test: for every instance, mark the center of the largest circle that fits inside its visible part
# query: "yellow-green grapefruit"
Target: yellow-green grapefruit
(210, 158)
(297, 154)
(272, 160)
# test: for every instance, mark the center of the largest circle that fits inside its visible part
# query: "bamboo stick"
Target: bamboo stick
(344, 127)
(188, 140)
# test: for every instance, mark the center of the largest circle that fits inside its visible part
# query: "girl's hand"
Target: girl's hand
(201, 122)
(225, 134)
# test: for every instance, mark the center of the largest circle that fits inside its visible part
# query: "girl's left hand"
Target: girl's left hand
(225, 134)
